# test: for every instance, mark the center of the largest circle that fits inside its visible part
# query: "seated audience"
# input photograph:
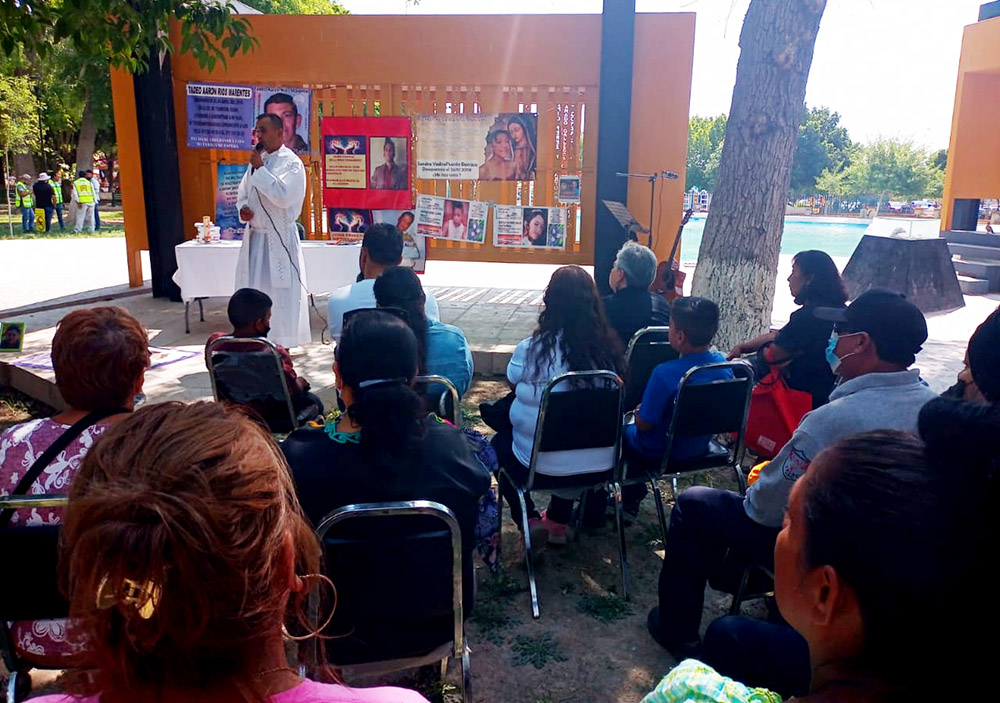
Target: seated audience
(572, 335)
(249, 313)
(631, 306)
(185, 552)
(875, 341)
(883, 541)
(979, 381)
(801, 344)
(693, 324)
(442, 349)
(381, 249)
(384, 447)
(100, 356)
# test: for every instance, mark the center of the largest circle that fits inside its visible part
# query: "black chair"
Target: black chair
(398, 571)
(34, 595)
(441, 397)
(250, 373)
(648, 348)
(700, 409)
(585, 416)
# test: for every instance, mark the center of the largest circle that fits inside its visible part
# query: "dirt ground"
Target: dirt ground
(588, 645)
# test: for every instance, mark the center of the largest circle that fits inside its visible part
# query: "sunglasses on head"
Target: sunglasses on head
(394, 312)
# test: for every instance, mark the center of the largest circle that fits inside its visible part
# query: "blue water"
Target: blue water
(836, 239)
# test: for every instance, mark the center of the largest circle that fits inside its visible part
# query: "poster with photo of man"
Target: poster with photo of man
(366, 162)
(293, 107)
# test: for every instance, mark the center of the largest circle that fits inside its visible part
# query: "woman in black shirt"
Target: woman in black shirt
(801, 344)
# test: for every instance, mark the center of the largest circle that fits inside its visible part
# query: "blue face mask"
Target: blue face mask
(831, 355)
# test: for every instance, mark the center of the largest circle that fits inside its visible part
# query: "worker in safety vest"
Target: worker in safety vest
(57, 197)
(26, 201)
(83, 200)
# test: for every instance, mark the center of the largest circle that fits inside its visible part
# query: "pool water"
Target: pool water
(838, 239)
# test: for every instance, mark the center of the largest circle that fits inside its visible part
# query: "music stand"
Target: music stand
(625, 218)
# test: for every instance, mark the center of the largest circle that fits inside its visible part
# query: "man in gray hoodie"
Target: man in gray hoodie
(875, 340)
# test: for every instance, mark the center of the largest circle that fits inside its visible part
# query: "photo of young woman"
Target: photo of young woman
(535, 227)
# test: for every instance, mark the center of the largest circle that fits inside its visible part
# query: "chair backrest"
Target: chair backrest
(648, 348)
(713, 407)
(249, 372)
(398, 571)
(441, 397)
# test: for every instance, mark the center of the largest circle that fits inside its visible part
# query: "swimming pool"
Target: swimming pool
(838, 239)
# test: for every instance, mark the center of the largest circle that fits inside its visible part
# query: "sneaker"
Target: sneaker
(538, 533)
(558, 533)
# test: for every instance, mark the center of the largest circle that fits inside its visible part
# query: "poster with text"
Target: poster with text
(227, 217)
(293, 106)
(449, 218)
(414, 246)
(366, 162)
(220, 116)
(484, 147)
(515, 226)
(569, 189)
(348, 224)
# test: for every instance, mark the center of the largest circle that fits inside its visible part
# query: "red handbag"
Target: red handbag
(775, 411)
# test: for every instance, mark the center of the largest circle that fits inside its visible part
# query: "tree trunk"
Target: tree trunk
(25, 163)
(738, 260)
(88, 133)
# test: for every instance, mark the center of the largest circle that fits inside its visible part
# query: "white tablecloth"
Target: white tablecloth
(209, 270)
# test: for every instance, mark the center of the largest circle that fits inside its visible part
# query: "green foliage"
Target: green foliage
(832, 184)
(888, 168)
(823, 145)
(705, 139)
(537, 651)
(18, 115)
(939, 159)
(605, 607)
(298, 7)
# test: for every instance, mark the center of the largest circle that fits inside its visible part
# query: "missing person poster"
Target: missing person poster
(12, 337)
(227, 217)
(515, 226)
(414, 246)
(348, 224)
(484, 147)
(366, 162)
(448, 218)
(293, 106)
(224, 116)
(569, 189)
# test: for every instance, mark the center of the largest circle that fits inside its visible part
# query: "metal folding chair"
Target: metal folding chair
(443, 401)
(648, 348)
(399, 575)
(587, 416)
(31, 598)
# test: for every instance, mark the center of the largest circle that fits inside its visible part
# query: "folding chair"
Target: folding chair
(647, 349)
(34, 596)
(398, 571)
(253, 376)
(587, 416)
(703, 408)
(441, 397)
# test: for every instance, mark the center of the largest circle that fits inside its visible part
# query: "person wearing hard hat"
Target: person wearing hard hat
(26, 202)
(45, 198)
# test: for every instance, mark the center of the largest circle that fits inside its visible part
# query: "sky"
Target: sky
(889, 67)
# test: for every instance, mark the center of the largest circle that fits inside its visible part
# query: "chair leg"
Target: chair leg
(734, 607)
(741, 480)
(527, 555)
(466, 676)
(201, 310)
(444, 669)
(622, 555)
(187, 317)
(673, 485)
(660, 512)
(18, 686)
(579, 513)
(500, 524)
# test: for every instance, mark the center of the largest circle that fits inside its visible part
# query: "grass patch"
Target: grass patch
(502, 586)
(537, 651)
(606, 608)
(493, 606)
(650, 535)
(105, 233)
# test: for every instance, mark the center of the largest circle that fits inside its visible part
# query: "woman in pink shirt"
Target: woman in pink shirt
(185, 555)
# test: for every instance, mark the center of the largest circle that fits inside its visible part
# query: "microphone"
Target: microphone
(670, 175)
(259, 148)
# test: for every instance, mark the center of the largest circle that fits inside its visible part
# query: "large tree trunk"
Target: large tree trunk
(88, 133)
(738, 260)
(25, 163)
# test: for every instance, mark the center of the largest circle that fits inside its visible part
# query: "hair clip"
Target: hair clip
(383, 382)
(144, 597)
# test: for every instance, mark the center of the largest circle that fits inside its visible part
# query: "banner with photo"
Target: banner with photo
(484, 147)
(227, 217)
(449, 218)
(348, 224)
(414, 245)
(223, 116)
(366, 162)
(516, 226)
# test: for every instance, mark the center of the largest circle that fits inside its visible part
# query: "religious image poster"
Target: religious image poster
(516, 226)
(220, 116)
(569, 189)
(227, 217)
(348, 224)
(484, 147)
(293, 106)
(414, 245)
(449, 218)
(366, 162)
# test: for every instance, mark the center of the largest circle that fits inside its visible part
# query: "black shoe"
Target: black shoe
(679, 650)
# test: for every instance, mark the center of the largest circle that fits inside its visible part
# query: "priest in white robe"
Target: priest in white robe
(269, 201)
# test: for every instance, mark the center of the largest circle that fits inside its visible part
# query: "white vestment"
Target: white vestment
(271, 258)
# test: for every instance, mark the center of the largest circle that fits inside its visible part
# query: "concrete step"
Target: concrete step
(975, 252)
(973, 286)
(955, 236)
(986, 270)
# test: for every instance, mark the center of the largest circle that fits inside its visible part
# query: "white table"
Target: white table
(209, 270)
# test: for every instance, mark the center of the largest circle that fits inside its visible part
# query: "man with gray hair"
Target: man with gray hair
(631, 306)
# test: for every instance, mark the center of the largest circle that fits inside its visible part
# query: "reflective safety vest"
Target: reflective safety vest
(84, 191)
(57, 193)
(24, 196)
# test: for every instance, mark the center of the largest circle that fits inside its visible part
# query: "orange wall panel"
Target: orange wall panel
(130, 171)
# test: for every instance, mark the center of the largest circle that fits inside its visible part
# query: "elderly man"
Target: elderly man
(631, 306)
(269, 200)
(26, 202)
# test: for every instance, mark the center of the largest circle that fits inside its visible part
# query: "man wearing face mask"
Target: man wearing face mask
(875, 341)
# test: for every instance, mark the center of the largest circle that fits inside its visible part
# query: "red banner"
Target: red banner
(366, 162)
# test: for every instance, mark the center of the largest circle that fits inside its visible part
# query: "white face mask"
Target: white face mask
(831, 355)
